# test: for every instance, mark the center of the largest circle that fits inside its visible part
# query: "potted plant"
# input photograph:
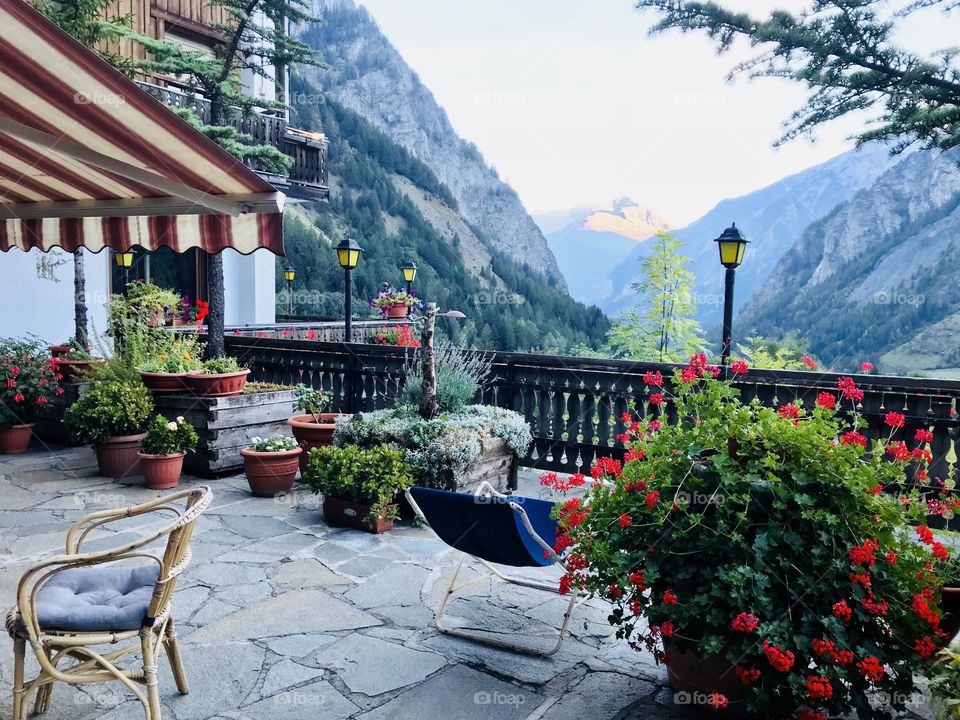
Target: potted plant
(359, 487)
(756, 552)
(395, 303)
(271, 464)
(315, 428)
(76, 363)
(397, 336)
(151, 304)
(112, 416)
(29, 382)
(163, 449)
(218, 377)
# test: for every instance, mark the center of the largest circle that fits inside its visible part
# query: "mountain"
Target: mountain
(771, 218)
(399, 210)
(590, 241)
(874, 279)
(367, 75)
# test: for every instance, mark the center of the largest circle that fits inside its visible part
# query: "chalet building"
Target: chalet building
(43, 283)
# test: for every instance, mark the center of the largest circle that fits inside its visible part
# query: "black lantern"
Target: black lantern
(124, 261)
(409, 274)
(732, 246)
(348, 255)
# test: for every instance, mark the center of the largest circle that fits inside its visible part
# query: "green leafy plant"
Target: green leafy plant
(29, 380)
(311, 401)
(460, 375)
(107, 409)
(762, 538)
(220, 366)
(372, 476)
(169, 437)
(146, 302)
(274, 443)
(945, 684)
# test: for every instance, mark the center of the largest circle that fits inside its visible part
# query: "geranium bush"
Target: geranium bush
(30, 381)
(761, 539)
(399, 336)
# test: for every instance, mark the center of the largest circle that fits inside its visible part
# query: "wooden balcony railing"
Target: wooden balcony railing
(574, 405)
(308, 178)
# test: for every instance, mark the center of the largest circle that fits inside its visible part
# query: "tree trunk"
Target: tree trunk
(215, 296)
(428, 400)
(80, 334)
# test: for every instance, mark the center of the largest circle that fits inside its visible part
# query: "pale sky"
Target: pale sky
(574, 104)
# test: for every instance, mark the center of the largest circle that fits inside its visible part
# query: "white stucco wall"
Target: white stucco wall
(249, 282)
(33, 305)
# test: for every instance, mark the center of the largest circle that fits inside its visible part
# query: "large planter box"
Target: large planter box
(226, 424)
(496, 465)
(50, 427)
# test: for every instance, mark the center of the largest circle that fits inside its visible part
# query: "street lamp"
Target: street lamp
(409, 274)
(732, 245)
(289, 274)
(124, 262)
(348, 255)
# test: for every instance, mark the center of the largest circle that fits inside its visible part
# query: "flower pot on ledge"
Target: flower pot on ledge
(218, 384)
(311, 434)
(14, 439)
(270, 473)
(165, 383)
(400, 310)
(161, 472)
(120, 456)
(343, 512)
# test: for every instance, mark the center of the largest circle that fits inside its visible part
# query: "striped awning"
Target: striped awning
(88, 159)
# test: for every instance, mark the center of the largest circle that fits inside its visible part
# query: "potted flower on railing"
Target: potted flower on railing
(30, 381)
(218, 377)
(112, 416)
(315, 428)
(360, 487)
(756, 552)
(271, 464)
(395, 303)
(163, 449)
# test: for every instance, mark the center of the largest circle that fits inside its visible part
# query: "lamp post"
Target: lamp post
(428, 398)
(732, 245)
(409, 274)
(289, 274)
(348, 255)
(124, 262)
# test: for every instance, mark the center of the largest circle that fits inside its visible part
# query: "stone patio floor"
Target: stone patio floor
(281, 616)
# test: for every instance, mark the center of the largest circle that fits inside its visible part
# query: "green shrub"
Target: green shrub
(108, 409)
(371, 476)
(311, 401)
(460, 374)
(220, 366)
(169, 438)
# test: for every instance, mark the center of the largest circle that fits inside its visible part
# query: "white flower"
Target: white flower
(171, 426)
(180, 420)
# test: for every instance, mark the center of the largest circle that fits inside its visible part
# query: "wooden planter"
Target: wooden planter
(343, 512)
(15, 439)
(496, 465)
(120, 456)
(225, 425)
(165, 383)
(271, 473)
(217, 385)
(161, 472)
(312, 434)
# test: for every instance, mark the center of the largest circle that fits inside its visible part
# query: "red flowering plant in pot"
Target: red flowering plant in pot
(752, 550)
(30, 380)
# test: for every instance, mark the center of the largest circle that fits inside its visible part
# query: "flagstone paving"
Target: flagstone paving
(283, 617)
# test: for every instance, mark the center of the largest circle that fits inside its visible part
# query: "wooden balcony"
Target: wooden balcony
(308, 178)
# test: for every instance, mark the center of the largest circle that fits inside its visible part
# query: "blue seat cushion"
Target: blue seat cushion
(98, 598)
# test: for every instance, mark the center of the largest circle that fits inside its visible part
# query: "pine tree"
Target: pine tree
(662, 327)
(844, 52)
(255, 38)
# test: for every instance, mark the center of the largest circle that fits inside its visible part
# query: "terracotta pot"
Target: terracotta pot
(694, 679)
(400, 310)
(220, 385)
(270, 473)
(119, 456)
(312, 434)
(161, 472)
(343, 512)
(165, 383)
(14, 439)
(77, 370)
(950, 604)
(60, 351)
(156, 320)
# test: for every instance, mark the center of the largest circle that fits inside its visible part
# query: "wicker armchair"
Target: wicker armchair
(70, 604)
